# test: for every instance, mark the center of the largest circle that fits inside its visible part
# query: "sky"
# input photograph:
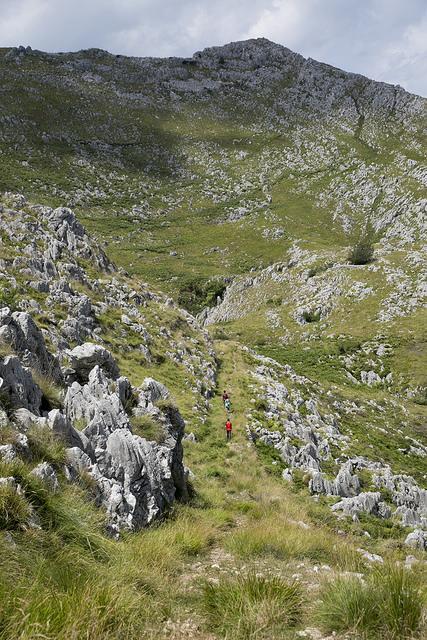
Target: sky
(382, 39)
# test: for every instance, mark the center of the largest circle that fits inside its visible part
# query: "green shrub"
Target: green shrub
(219, 334)
(252, 607)
(8, 434)
(261, 404)
(275, 301)
(314, 271)
(311, 316)
(348, 345)
(399, 602)
(196, 293)
(166, 404)
(269, 455)
(388, 606)
(362, 252)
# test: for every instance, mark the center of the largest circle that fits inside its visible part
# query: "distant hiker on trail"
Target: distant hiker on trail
(225, 397)
(228, 429)
(227, 404)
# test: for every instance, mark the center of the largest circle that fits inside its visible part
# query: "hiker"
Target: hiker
(227, 404)
(228, 429)
(225, 397)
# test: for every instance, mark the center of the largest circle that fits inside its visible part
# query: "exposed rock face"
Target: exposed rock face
(21, 334)
(71, 235)
(417, 540)
(86, 356)
(17, 384)
(136, 480)
(369, 502)
(150, 392)
(62, 426)
(345, 484)
(410, 499)
(47, 475)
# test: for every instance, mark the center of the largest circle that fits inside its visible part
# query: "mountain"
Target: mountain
(245, 219)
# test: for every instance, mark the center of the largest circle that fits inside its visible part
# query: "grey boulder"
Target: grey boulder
(47, 475)
(417, 540)
(89, 355)
(17, 384)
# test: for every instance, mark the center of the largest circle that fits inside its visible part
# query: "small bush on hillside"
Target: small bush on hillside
(311, 316)
(388, 606)
(252, 606)
(314, 271)
(348, 345)
(347, 604)
(270, 458)
(362, 252)
(8, 435)
(261, 404)
(275, 301)
(219, 334)
(166, 404)
(196, 293)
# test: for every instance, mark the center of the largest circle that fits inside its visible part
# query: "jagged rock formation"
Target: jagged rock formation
(134, 478)
(306, 438)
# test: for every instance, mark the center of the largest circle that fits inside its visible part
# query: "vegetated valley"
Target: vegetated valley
(248, 220)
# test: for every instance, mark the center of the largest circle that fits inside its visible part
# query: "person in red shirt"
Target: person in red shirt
(228, 429)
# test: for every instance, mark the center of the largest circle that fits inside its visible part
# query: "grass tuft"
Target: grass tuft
(14, 509)
(46, 445)
(252, 606)
(147, 427)
(388, 606)
(52, 393)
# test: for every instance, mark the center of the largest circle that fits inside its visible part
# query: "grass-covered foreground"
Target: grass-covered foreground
(248, 557)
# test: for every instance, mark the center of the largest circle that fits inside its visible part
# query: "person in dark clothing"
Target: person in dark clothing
(224, 397)
(228, 429)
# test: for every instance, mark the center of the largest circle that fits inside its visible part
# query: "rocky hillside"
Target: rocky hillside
(243, 219)
(70, 300)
